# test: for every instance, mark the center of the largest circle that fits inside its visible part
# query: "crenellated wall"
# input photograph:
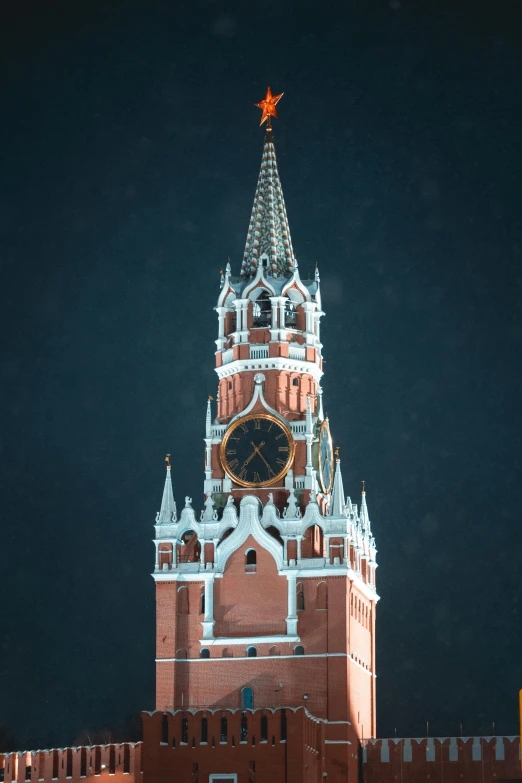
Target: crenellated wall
(441, 760)
(122, 762)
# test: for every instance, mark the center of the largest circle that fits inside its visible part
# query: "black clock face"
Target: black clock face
(326, 467)
(257, 451)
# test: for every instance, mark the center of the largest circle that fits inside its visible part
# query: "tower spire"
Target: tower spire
(168, 512)
(269, 232)
(338, 501)
(364, 516)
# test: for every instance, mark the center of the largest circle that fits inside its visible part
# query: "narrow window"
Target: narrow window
(250, 561)
(165, 729)
(299, 650)
(247, 698)
(230, 384)
(244, 728)
(97, 761)
(251, 652)
(28, 773)
(69, 770)
(83, 762)
(264, 728)
(283, 725)
(224, 730)
(55, 763)
(204, 653)
(295, 382)
(204, 730)
(194, 766)
(126, 758)
(184, 730)
(112, 760)
(300, 598)
(183, 600)
(202, 609)
(322, 596)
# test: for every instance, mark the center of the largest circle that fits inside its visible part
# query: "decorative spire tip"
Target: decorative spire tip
(363, 487)
(167, 460)
(268, 107)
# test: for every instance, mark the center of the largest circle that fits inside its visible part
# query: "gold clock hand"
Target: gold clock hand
(264, 460)
(253, 453)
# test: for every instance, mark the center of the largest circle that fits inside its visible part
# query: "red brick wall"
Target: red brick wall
(117, 763)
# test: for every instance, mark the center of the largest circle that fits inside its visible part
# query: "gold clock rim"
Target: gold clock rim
(325, 425)
(284, 426)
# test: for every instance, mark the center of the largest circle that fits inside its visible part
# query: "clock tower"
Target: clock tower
(266, 599)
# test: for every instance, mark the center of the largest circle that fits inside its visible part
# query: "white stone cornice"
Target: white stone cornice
(279, 363)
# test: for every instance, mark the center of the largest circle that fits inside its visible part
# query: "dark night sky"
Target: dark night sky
(130, 153)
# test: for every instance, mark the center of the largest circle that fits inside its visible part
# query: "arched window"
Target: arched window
(322, 596)
(264, 728)
(247, 698)
(274, 650)
(295, 381)
(204, 730)
(290, 313)
(184, 730)
(202, 607)
(250, 561)
(251, 652)
(299, 650)
(224, 730)
(262, 310)
(204, 653)
(183, 600)
(300, 598)
(181, 654)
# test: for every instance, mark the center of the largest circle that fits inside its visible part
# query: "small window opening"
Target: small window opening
(250, 561)
(184, 730)
(224, 730)
(295, 382)
(299, 650)
(204, 653)
(264, 728)
(247, 698)
(283, 724)
(165, 729)
(251, 652)
(262, 310)
(244, 728)
(204, 730)
(300, 599)
(202, 609)
(290, 313)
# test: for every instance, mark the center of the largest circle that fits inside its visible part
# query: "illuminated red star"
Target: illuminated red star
(269, 106)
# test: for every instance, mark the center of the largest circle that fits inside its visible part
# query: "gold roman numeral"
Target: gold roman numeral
(257, 477)
(271, 425)
(281, 462)
(233, 464)
(234, 438)
(257, 424)
(244, 427)
(242, 475)
(233, 451)
(281, 435)
(281, 448)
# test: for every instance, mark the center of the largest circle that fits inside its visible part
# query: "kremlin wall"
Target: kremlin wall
(266, 599)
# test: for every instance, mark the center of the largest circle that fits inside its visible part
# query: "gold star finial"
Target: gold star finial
(336, 452)
(209, 398)
(363, 487)
(268, 107)
(167, 460)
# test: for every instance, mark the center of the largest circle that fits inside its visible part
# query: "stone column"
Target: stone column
(208, 622)
(291, 620)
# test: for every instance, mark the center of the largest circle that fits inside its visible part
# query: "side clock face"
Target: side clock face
(257, 450)
(326, 466)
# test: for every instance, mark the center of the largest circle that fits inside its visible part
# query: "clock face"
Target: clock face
(257, 450)
(326, 466)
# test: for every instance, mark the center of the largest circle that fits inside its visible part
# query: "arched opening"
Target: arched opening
(264, 728)
(191, 548)
(274, 650)
(202, 601)
(299, 649)
(165, 729)
(295, 381)
(244, 728)
(262, 311)
(250, 561)
(224, 730)
(181, 654)
(247, 698)
(204, 653)
(204, 730)
(251, 652)
(182, 604)
(322, 596)
(300, 601)
(274, 532)
(313, 542)
(184, 730)
(290, 313)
